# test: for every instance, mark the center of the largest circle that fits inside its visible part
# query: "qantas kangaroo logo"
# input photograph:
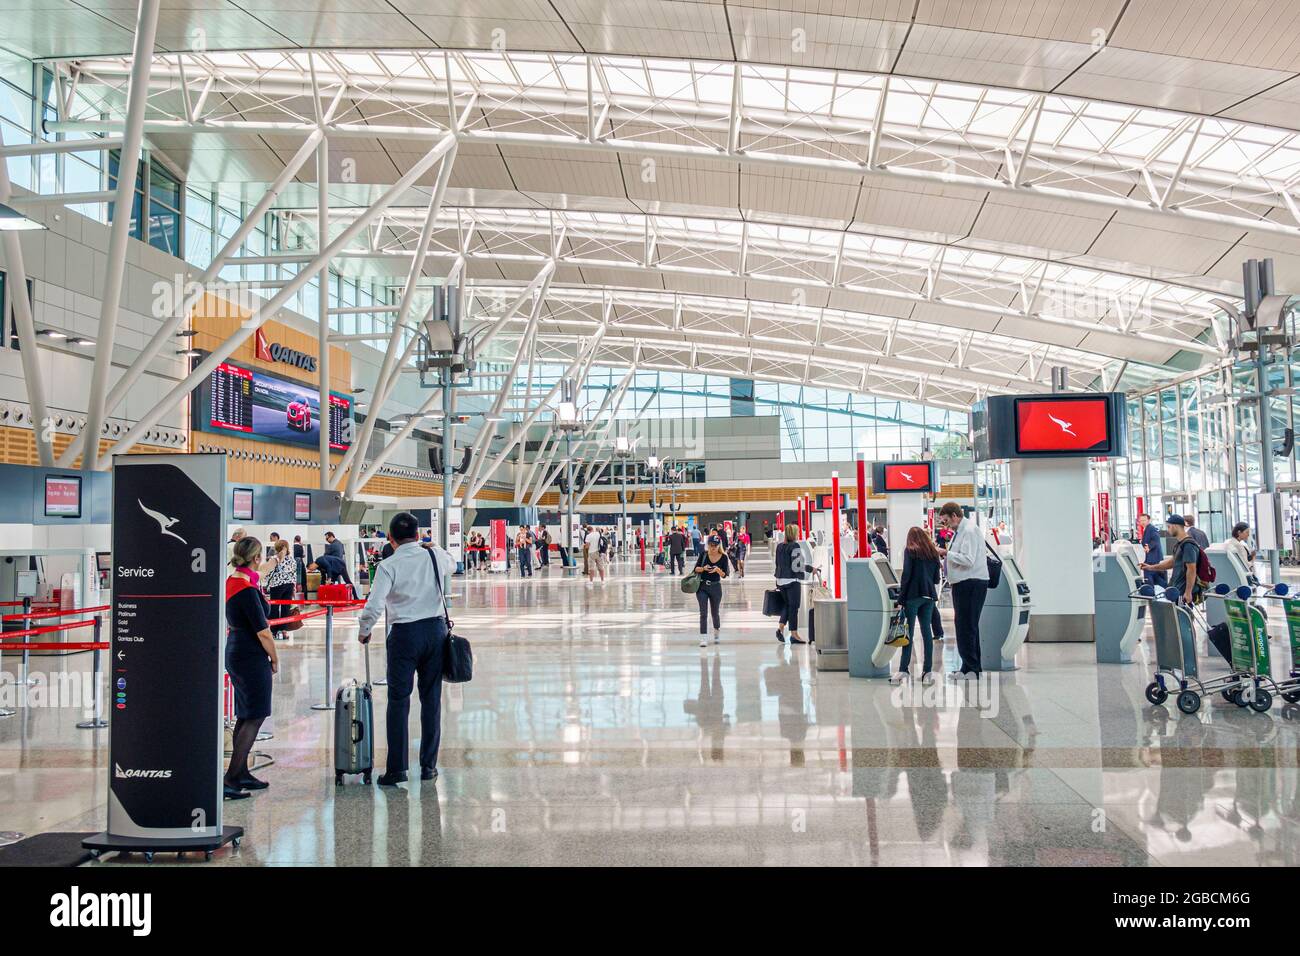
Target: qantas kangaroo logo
(164, 522)
(908, 477)
(1064, 426)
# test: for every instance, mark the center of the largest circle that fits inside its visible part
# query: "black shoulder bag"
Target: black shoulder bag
(458, 658)
(995, 567)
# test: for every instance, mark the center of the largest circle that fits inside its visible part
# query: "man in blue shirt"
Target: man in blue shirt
(1149, 538)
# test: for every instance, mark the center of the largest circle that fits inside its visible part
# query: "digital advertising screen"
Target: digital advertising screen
(825, 502)
(268, 407)
(301, 506)
(914, 476)
(1058, 425)
(62, 496)
(241, 504)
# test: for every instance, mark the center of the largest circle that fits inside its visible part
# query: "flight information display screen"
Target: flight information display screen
(268, 407)
(1063, 425)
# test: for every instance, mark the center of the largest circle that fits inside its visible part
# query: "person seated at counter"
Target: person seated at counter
(250, 661)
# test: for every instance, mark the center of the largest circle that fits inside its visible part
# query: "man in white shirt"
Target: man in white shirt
(968, 573)
(408, 590)
(597, 560)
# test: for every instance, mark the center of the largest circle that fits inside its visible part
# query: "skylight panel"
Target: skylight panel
(904, 109)
(671, 83)
(856, 103)
(713, 87)
(536, 72)
(358, 64)
(1089, 133)
(948, 113)
(401, 65)
(763, 94)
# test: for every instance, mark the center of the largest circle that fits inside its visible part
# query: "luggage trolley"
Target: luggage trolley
(1289, 687)
(1174, 624)
(1248, 640)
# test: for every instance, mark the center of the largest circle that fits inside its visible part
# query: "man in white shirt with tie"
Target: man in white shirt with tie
(968, 573)
(408, 589)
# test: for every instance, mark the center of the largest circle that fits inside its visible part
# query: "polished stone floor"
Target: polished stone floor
(596, 731)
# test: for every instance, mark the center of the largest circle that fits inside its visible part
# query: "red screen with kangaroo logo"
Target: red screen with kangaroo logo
(913, 477)
(1070, 425)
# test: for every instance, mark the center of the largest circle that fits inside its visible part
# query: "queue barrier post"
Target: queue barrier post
(328, 703)
(97, 721)
(27, 680)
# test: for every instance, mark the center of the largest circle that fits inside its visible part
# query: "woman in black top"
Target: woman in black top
(712, 566)
(918, 595)
(250, 662)
(790, 585)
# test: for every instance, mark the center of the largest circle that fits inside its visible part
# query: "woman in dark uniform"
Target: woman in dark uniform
(250, 662)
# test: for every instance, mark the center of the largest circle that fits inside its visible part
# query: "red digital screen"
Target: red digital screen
(913, 477)
(1062, 425)
(62, 497)
(301, 507)
(242, 504)
(827, 502)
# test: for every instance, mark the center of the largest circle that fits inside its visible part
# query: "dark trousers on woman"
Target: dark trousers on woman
(710, 597)
(793, 594)
(544, 552)
(967, 604)
(916, 610)
(281, 592)
(415, 650)
(526, 562)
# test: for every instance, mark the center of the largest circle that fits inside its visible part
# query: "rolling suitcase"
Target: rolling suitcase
(354, 728)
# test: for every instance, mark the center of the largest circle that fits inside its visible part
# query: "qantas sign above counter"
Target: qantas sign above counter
(902, 477)
(1070, 425)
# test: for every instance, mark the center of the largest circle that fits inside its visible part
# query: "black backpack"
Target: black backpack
(604, 544)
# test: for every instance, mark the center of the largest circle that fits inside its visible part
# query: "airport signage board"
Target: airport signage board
(166, 646)
(497, 542)
(903, 477)
(241, 504)
(1059, 425)
(254, 404)
(63, 496)
(301, 506)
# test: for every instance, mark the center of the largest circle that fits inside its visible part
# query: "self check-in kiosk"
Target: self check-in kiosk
(1120, 616)
(872, 591)
(1004, 622)
(1229, 570)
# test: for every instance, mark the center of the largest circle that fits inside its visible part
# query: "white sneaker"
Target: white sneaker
(704, 642)
(717, 637)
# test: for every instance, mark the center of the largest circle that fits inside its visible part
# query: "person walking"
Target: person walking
(596, 547)
(524, 551)
(250, 661)
(790, 585)
(877, 539)
(968, 574)
(697, 540)
(918, 595)
(742, 549)
(712, 567)
(281, 578)
(544, 545)
(677, 551)
(408, 591)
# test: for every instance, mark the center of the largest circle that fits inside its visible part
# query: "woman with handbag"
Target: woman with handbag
(917, 595)
(790, 583)
(712, 566)
(281, 574)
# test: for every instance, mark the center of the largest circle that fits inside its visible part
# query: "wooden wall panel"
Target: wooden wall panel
(18, 447)
(779, 496)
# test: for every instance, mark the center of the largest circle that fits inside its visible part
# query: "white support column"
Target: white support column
(146, 26)
(582, 359)
(262, 313)
(488, 431)
(187, 301)
(389, 369)
(22, 305)
(323, 305)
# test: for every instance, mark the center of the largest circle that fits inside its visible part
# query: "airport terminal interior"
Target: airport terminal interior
(842, 433)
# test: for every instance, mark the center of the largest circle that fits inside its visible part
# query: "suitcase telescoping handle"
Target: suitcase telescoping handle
(366, 652)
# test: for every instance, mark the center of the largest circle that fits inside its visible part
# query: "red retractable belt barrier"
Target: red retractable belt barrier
(326, 607)
(7, 637)
(55, 613)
